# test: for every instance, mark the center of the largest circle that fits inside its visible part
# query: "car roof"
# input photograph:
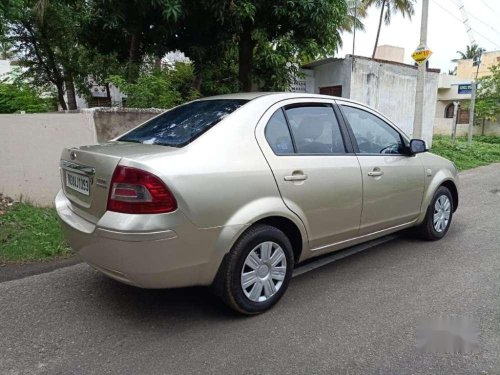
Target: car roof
(279, 95)
(282, 95)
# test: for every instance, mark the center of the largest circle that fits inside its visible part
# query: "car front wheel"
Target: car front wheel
(438, 217)
(258, 270)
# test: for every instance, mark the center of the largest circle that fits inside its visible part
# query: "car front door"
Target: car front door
(393, 180)
(316, 171)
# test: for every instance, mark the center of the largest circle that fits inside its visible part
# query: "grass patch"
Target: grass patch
(484, 150)
(29, 233)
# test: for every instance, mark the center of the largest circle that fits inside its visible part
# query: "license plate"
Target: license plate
(78, 182)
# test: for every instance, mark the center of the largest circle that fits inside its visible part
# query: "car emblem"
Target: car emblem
(72, 155)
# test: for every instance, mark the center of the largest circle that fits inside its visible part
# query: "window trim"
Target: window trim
(403, 138)
(348, 147)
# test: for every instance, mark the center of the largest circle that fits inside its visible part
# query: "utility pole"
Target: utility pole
(473, 102)
(419, 96)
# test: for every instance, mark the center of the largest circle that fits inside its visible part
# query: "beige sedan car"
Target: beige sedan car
(234, 191)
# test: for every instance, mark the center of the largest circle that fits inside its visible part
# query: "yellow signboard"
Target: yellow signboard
(421, 54)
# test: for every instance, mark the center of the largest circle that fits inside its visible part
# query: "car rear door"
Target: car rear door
(393, 180)
(316, 171)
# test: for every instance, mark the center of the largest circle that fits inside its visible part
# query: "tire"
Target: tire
(429, 230)
(259, 240)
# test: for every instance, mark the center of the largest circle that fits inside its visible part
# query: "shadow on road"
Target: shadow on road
(196, 304)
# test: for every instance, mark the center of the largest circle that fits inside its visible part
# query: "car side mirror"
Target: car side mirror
(417, 146)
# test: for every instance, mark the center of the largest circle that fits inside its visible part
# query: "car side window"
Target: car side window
(278, 135)
(315, 129)
(373, 135)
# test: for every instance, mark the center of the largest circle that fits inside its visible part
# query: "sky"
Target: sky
(446, 32)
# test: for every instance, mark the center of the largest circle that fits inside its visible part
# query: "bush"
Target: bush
(159, 88)
(19, 97)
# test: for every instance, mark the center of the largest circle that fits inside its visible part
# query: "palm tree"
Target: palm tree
(471, 52)
(405, 7)
(356, 10)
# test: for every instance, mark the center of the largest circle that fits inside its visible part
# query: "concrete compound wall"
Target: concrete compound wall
(443, 126)
(31, 144)
(111, 122)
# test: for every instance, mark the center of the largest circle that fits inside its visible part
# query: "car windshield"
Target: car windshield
(183, 124)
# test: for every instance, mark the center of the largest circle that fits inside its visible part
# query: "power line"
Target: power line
(489, 7)
(484, 23)
(469, 13)
(459, 20)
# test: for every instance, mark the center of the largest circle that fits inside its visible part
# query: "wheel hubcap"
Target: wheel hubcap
(442, 211)
(263, 271)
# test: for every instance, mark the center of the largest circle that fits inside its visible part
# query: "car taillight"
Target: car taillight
(134, 191)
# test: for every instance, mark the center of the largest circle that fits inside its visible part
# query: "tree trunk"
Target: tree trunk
(382, 8)
(484, 123)
(196, 82)
(60, 96)
(70, 91)
(245, 59)
(134, 56)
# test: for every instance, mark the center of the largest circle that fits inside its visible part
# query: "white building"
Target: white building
(451, 89)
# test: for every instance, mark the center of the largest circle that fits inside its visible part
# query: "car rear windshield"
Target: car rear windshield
(183, 124)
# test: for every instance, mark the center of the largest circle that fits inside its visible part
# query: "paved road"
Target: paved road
(355, 316)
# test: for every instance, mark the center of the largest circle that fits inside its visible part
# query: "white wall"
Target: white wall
(31, 145)
(443, 126)
(4, 67)
(390, 89)
(30, 148)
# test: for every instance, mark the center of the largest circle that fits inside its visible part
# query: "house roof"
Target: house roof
(329, 60)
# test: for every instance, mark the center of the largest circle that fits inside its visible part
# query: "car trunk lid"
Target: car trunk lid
(86, 173)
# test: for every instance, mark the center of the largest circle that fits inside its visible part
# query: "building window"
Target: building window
(448, 111)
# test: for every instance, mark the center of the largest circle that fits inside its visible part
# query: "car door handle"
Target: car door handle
(375, 173)
(296, 177)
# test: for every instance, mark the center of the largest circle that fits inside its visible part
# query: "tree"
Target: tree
(44, 33)
(132, 29)
(487, 105)
(356, 11)
(405, 7)
(155, 87)
(15, 97)
(471, 52)
(6, 48)
(310, 27)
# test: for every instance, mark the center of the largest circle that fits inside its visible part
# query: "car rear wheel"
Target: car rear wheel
(257, 271)
(438, 217)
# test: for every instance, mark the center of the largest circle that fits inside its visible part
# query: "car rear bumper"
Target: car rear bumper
(137, 250)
